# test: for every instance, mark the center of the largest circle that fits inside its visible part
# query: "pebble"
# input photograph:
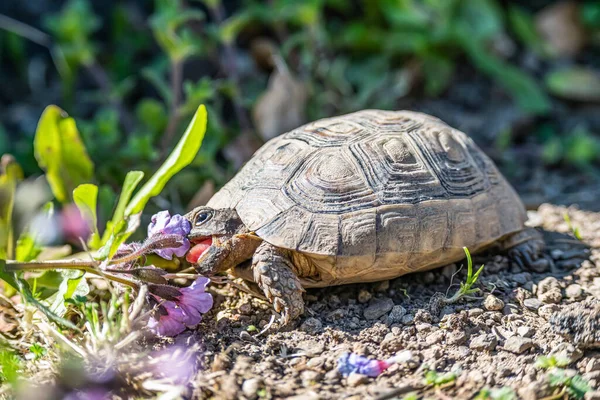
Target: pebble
(574, 291)
(525, 331)
(338, 314)
(593, 365)
(595, 395)
(518, 344)
(567, 351)
(378, 308)
(474, 312)
(549, 291)
(492, 303)
(364, 296)
(355, 379)
(548, 310)
(484, 342)
(521, 278)
(382, 286)
(435, 337)
(309, 377)
(315, 362)
(532, 304)
(391, 342)
(408, 319)
(395, 316)
(250, 388)
(312, 348)
(311, 325)
(456, 337)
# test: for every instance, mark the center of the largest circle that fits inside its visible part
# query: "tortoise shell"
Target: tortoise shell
(376, 185)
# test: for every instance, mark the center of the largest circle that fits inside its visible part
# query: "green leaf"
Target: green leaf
(27, 248)
(11, 173)
(73, 284)
(85, 197)
(521, 86)
(523, 26)
(132, 179)
(574, 83)
(182, 155)
(61, 154)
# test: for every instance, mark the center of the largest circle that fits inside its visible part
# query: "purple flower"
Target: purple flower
(185, 311)
(89, 394)
(163, 223)
(350, 362)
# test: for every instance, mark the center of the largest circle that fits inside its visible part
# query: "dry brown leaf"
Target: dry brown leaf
(560, 26)
(282, 107)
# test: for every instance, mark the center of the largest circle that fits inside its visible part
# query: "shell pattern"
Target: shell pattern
(374, 184)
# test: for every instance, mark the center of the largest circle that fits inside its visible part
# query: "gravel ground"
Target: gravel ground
(491, 341)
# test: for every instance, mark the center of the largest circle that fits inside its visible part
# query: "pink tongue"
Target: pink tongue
(195, 252)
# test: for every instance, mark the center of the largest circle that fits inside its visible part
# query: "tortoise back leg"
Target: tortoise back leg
(274, 273)
(526, 249)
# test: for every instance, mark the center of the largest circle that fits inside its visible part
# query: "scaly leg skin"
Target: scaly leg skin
(526, 249)
(274, 274)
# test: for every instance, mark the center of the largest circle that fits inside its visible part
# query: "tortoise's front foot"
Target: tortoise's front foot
(526, 249)
(274, 275)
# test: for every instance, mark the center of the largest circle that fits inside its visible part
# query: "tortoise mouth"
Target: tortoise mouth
(200, 246)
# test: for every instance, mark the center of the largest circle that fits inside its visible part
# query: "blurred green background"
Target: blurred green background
(520, 77)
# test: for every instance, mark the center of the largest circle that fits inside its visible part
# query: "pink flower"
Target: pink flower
(162, 223)
(351, 362)
(185, 311)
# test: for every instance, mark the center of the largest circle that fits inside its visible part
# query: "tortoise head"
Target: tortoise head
(212, 235)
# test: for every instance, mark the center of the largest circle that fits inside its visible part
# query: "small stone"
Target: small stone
(382, 286)
(355, 379)
(456, 337)
(250, 388)
(423, 327)
(548, 310)
(391, 342)
(595, 395)
(309, 377)
(532, 304)
(574, 291)
(378, 308)
(486, 342)
(435, 337)
(566, 351)
(364, 296)
(311, 325)
(521, 278)
(315, 362)
(474, 312)
(525, 331)
(337, 314)
(333, 375)
(395, 316)
(529, 392)
(492, 303)
(593, 365)
(517, 344)
(311, 348)
(408, 319)
(549, 291)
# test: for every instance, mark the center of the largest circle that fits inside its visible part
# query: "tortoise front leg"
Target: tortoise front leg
(526, 248)
(274, 273)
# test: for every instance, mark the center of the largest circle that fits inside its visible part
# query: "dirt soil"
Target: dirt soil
(490, 341)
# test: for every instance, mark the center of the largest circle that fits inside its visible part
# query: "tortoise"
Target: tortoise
(362, 197)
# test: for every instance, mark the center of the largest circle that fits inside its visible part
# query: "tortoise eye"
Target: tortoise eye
(202, 217)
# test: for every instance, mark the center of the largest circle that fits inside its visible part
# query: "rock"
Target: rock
(567, 351)
(337, 314)
(525, 331)
(408, 319)
(574, 291)
(595, 395)
(309, 377)
(395, 316)
(492, 303)
(378, 308)
(529, 392)
(311, 325)
(548, 310)
(517, 344)
(474, 312)
(364, 296)
(355, 379)
(382, 286)
(532, 304)
(521, 278)
(456, 337)
(315, 362)
(549, 291)
(333, 375)
(487, 342)
(435, 337)
(559, 24)
(250, 387)
(593, 365)
(391, 342)
(311, 348)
